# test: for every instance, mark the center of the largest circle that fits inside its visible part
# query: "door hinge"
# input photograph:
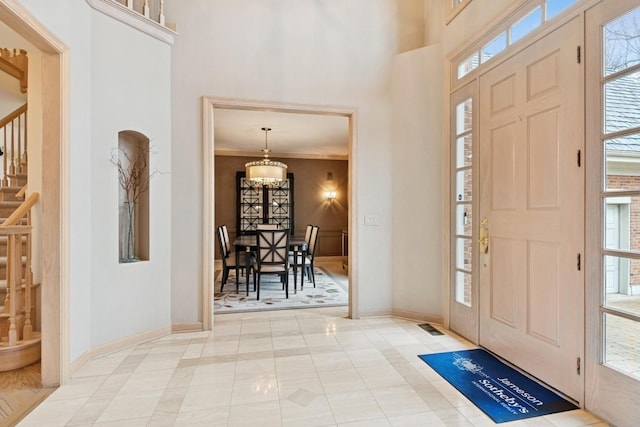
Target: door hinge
(579, 158)
(579, 262)
(578, 366)
(579, 54)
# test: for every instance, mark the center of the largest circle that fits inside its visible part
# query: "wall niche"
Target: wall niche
(132, 161)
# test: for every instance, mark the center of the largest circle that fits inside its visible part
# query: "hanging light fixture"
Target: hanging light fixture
(266, 171)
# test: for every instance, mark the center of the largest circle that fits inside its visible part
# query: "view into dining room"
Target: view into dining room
(313, 197)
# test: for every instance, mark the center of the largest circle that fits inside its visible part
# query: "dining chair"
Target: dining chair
(307, 233)
(305, 260)
(267, 227)
(229, 259)
(310, 256)
(227, 242)
(272, 257)
(301, 255)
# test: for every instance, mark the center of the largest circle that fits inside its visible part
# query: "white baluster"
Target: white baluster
(161, 17)
(130, 4)
(145, 9)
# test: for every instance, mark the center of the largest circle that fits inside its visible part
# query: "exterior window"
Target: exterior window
(527, 21)
(622, 44)
(468, 65)
(620, 193)
(554, 7)
(463, 198)
(494, 47)
(525, 25)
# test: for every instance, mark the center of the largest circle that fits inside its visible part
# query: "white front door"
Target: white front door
(532, 198)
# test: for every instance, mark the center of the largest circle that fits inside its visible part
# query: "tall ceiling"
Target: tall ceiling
(239, 131)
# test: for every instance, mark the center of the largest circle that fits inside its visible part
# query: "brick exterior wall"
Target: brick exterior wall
(625, 182)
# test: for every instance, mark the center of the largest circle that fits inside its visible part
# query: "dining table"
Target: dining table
(249, 243)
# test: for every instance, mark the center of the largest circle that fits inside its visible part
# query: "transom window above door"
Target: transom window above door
(529, 18)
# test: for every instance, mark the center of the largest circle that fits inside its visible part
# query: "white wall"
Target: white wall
(131, 79)
(119, 79)
(473, 20)
(418, 197)
(284, 51)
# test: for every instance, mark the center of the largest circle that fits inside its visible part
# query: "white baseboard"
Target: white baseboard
(375, 313)
(186, 327)
(117, 345)
(417, 316)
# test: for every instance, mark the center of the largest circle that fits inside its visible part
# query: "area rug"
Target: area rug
(500, 391)
(327, 293)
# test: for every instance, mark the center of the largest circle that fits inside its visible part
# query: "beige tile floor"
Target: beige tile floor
(310, 367)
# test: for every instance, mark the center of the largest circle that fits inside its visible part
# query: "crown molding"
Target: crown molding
(308, 156)
(134, 19)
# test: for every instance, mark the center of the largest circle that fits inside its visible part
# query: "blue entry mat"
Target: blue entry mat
(500, 391)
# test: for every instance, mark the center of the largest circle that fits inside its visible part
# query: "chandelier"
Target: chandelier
(266, 171)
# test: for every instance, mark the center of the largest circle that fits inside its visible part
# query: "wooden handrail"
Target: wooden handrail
(20, 194)
(12, 115)
(22, 210)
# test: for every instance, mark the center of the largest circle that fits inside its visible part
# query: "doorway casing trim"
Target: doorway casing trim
(55, 189)
(209, 104)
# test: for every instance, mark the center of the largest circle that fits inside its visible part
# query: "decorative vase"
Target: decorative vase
(128, 233)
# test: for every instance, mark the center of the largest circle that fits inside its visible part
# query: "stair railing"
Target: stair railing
(13, 129)
(153, 10)
(15, 63)
(16, 233)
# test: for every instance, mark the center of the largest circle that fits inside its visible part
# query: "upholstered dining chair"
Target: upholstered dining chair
(309, 267)
(229, 258)
(227, 243)
(306, 259)
(307, 237)
(267, 227)
(272, 257)
(302, 254)
(307, 233)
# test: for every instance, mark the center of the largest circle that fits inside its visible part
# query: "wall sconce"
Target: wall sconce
(330, 196)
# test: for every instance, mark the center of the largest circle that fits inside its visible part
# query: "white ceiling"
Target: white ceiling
(292, 135)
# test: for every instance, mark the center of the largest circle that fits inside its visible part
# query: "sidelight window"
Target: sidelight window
(463, 198)
(620, 193)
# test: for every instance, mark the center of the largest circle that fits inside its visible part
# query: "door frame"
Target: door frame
(209, 104)
(454, 84)
(55, 248)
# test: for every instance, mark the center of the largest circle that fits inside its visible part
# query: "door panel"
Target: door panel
(503, 175)
(532, 194)
(504, 277)
(544, 291)
(543, 141)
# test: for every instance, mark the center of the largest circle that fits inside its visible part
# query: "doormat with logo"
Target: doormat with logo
(497, 389)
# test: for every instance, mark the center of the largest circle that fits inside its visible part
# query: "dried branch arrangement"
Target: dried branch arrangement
(133, 174)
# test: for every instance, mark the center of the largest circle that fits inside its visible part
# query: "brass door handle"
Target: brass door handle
(483, 239)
